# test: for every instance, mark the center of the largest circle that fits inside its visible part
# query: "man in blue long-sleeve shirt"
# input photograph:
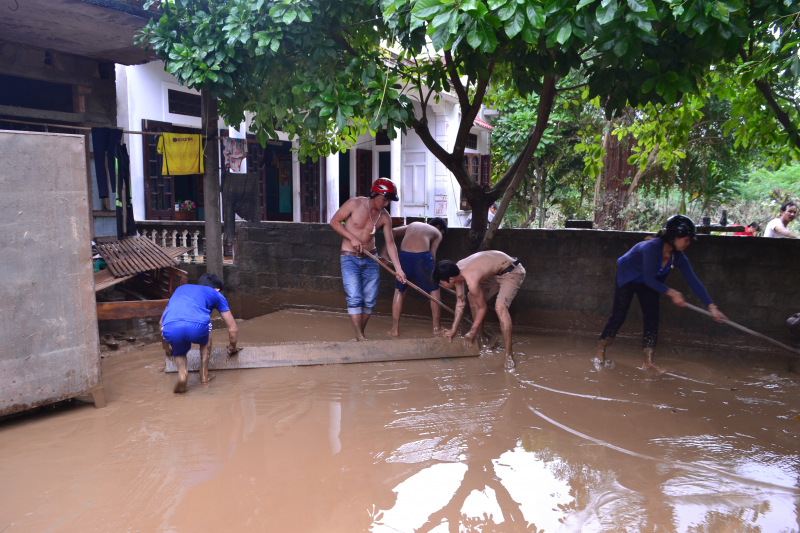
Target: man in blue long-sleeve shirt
(642, 272)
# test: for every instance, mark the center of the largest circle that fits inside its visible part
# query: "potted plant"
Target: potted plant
(186, 210)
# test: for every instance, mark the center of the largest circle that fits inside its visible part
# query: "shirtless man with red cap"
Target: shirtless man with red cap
(357, 221)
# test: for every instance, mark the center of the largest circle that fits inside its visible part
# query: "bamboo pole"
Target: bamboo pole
(746, 330)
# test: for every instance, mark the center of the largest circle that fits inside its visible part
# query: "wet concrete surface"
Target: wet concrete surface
(441, 445)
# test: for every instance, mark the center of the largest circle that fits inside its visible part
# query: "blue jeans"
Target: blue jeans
(360, 277)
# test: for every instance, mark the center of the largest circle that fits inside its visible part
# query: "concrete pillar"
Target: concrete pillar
(211, 189)
(397, 169)
(297, 216)
(332, 182)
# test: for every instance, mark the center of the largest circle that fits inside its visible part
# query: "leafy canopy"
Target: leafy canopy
(322, 70)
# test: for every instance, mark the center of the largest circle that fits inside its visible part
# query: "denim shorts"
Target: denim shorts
(360, 277)
(181, 334)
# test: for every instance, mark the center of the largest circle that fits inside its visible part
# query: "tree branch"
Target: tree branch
(651, 158)
(780, 114)
(545, 107)
(562, 89)
(455, 81)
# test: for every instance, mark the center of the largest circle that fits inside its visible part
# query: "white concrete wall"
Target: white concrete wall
(142, 94)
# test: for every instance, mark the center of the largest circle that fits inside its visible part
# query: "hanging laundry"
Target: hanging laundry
(235, 150)
(104, 143)
(124, 203)
(239, 197)
(183, 153)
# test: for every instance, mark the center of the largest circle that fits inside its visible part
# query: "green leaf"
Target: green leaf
(606, 14)
(530, 35)
(507, 12)
(672, 77)
(496, 4)
(639, 6)
(648, 85)
(621, 47)
(651, 65)
(289, 16)
(583, 3)
(440, 36)
(515, 25)
(536, 16)
(305, 14)
(723, 11)
(564, 33)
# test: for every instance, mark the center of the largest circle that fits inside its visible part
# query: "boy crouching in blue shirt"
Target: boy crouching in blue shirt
(187, 321)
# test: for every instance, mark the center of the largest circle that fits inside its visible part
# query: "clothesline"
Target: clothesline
(84, 128)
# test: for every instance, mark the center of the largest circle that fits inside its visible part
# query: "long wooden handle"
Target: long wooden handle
(746, 330)
(393, 273)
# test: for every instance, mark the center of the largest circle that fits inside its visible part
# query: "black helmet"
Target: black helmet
(680, 226)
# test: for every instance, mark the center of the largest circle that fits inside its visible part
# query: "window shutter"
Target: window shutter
(486, 170)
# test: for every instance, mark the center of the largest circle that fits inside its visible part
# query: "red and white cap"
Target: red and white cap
(385, 187)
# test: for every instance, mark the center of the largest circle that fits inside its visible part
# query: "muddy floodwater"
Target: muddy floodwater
(431, 446)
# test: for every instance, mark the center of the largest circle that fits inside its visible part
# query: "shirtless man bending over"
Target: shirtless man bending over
(417, 257)
(486, 274)
(357, 221)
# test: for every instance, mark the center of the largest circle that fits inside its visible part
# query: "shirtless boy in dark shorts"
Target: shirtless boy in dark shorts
(417, 260)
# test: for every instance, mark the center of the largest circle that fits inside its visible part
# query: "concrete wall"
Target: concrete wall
(569, 284)
(49, 347)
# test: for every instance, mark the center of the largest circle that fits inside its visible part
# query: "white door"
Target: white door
(415, 183)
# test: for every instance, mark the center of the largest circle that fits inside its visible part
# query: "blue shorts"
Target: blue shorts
(418, 267)
(181, 334)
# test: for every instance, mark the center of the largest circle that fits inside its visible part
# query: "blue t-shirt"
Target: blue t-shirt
(193, 303)
(642, 264)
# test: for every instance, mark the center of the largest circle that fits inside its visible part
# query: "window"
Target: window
(181, 103)
(476, 163)
(472, 141)
(36, 94)
(382, 138)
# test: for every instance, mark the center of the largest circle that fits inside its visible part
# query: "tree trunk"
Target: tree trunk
(517, 170)
(213, 237)
(615, 194)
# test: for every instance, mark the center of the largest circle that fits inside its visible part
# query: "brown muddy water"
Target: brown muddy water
(432, 446)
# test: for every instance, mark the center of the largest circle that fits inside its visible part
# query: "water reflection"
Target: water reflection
(553, 482)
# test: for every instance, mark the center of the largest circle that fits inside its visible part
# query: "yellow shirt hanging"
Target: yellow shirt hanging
(183, 153)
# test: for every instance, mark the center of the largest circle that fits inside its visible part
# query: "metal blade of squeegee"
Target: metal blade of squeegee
(330, 353)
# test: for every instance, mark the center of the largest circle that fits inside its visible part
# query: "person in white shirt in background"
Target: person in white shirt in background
(777, 227)
(492, 211)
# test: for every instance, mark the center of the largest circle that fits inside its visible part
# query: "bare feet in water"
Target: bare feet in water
(208, 379)
(394, 333)
(439, 332)
(180, 386)
(602, 363)
(509, 364)
(649, 365)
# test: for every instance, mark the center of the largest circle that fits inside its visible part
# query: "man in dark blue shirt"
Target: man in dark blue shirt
(187, 321)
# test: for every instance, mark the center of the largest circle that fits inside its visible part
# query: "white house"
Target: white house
(149, 99)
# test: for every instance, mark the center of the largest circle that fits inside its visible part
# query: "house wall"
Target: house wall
(142, 93)
(569, 284)
(93, 104)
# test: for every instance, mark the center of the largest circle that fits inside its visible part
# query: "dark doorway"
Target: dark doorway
(274, 167)
(344, 177)
(159, 197)
(363, 172)
(309, 190)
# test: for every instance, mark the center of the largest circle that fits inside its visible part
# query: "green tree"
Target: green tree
(555, 175)
(322, 70)
(762, 82)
